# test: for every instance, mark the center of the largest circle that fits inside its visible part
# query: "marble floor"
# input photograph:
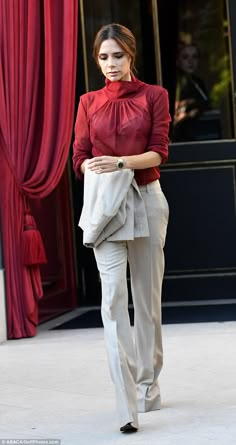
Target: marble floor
(57, 386)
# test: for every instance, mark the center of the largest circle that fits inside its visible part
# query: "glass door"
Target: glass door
(198, 60)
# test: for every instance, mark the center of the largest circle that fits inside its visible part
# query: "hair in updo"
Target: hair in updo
(123, 37)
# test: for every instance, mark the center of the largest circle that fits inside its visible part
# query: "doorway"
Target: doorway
(139, 17)
(199, 179)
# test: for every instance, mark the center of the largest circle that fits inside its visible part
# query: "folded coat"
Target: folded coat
(113, 208)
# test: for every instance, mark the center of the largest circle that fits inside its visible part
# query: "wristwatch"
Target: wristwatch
(120, 163)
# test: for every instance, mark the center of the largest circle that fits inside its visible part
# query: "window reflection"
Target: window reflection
(191, 98)
(202, 109)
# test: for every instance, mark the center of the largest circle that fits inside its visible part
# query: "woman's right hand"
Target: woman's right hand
(83, 165)
(103, 164)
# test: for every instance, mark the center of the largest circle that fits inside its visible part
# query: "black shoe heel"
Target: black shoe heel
(128, 428)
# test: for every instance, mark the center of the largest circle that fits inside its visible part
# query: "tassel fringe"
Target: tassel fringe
(32, 243)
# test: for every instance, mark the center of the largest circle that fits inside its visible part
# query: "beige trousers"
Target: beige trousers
(135, 365)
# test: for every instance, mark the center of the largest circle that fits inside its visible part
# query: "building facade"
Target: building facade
(189, 48)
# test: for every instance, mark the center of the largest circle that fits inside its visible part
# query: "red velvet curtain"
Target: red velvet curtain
(38, 52)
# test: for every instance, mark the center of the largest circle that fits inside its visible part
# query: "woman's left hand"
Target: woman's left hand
(102, 164)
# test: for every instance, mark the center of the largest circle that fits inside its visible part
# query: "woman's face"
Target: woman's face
(113, 61)
(188, 59)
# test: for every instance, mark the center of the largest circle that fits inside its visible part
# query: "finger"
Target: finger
(94, 165)
(98, 159)
(90, 164)
(99, 171)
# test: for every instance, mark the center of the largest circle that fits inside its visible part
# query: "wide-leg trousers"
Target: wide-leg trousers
(135, 364)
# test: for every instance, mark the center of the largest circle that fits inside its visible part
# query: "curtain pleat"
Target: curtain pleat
(38, 52)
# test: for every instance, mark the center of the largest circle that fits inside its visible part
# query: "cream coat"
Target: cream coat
(108, 210)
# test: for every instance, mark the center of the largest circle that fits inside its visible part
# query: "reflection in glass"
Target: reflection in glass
(203, 80)
(192, 98)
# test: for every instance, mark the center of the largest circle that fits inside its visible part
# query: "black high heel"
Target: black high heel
(128, 428)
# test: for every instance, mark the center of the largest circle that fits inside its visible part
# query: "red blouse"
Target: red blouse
(123, 118)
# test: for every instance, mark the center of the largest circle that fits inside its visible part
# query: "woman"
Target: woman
(191, 95)
(125, 126)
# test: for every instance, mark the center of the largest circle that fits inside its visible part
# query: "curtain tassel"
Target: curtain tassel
(32, 243)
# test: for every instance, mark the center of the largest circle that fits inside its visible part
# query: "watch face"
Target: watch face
(120, 163)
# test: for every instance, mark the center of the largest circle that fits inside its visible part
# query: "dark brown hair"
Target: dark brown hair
(123, 37)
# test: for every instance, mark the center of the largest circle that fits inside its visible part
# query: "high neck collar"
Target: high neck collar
(122, 88)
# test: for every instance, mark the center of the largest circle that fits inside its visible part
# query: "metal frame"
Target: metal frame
(231, 13)
(156, 41)
(82, 21)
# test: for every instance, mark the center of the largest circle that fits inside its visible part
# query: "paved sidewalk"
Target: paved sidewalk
(57, 386)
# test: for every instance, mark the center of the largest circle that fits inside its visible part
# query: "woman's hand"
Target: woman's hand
(102, 164)
(106, 164)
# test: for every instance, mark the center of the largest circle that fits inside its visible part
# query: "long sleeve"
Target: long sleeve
(159, 138)
(123, 119)
(82, 147)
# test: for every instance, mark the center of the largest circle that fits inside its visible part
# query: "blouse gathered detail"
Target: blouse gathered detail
(124, 118)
